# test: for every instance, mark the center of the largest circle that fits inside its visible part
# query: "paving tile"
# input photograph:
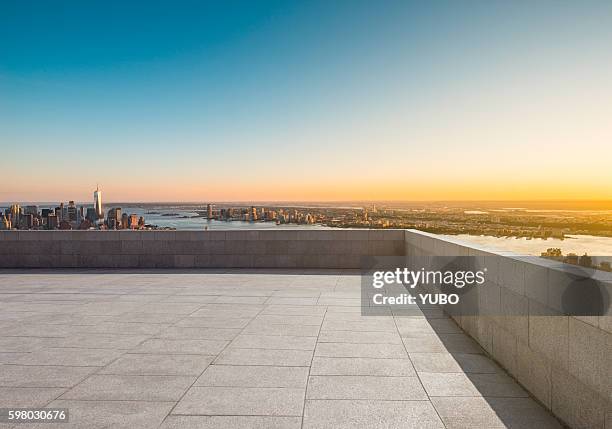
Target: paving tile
(101, 341)
(362, 324)
(229, 313)
(25, 344)
(362, 366)
(204, 347)
(382, 351)
(253, 376)
(456, 362)
(497, 385)
(295, 310)
(43, 376)
(292, 300)
(112, 414)
(130, 388)
(325, 414)
(202, 299)
(460, 343)
(277, 319)
(235, 356)
(365, 387)
(120, 328)
(162, 364)
(274, 342)
(170, 308)
(359, 337)
(489, 413)
(251, 401)
(213, 322)
(429, 343)
(414, 326)
(448, 384)
(233, 422)
(28, 397)
(257, 328)
(132, 317)
(195, 333)
(13, 357)
(459, 384)
(70, 357)
(241, 299)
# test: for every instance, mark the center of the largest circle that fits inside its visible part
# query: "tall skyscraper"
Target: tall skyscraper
(98, 203)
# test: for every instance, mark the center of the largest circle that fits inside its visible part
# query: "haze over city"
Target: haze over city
(308, 101)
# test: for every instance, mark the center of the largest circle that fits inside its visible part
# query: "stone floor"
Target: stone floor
(240, 349)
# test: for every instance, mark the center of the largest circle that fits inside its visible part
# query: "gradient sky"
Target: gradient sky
(305, 100)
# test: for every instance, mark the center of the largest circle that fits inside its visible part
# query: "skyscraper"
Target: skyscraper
(72, 212)
(98, 203)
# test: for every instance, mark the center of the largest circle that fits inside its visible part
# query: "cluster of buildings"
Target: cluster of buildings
(254, 214)
(572, 258)
(69, 216)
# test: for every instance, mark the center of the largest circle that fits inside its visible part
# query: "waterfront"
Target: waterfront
(578, 244)
(182, 220)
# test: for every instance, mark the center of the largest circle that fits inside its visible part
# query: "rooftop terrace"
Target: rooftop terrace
(241, 349)
(265, 329)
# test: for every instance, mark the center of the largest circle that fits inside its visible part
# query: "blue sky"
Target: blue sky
(305, 100)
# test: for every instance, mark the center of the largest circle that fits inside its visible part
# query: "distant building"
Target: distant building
(209, 211)
(98, 203)
(15, 213)
(72, 212)
(65, 225)
(91, 215)
(133, 222)
(125, 222)
(52, 222)
(585, 261)
(33, 210)
(26, 221)
(114, 218)
(571, 258)
(5, 222)
(86, 224)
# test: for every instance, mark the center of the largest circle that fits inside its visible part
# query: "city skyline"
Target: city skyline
(306, 101)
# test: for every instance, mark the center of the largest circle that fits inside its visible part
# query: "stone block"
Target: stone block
(534, 372)
(576, 404)
(504, 347)
(131, 247)
(536, 283)
(514, 310)
(549, 334)
(512, 275)
(184, 261)
(590, 354)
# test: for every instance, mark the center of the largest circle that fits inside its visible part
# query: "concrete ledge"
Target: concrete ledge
(563, 360)
(197, 249)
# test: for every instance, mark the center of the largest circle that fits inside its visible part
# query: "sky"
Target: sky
(305, 100)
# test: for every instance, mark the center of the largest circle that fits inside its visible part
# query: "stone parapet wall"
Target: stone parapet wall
(196, 249)
(563, 361)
